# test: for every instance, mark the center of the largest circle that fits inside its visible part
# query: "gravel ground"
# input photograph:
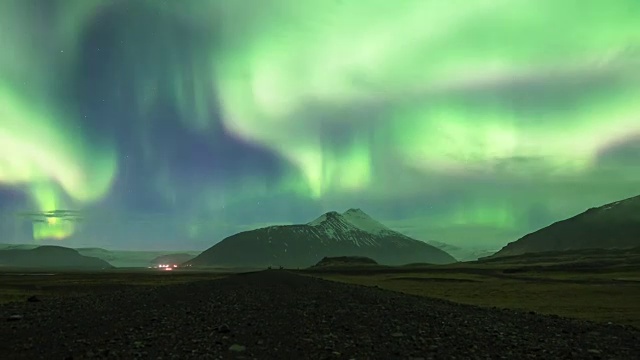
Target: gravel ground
(280, 315)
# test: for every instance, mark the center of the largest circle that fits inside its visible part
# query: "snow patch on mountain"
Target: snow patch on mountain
(349, 226)
(333, 220)
(350, 233)
(610, 206)
(352, 220)
(364, 222)
(318, 221)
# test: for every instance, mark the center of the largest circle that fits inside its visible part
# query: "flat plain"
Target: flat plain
(564, 307)
(594, 285)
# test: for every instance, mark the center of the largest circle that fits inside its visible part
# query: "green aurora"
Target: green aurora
(469, 122)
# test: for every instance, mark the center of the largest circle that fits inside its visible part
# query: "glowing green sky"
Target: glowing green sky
(174, 124)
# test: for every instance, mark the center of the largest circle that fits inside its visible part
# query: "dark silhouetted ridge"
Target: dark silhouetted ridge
(50, 257)
(353, 233)
(612, 226)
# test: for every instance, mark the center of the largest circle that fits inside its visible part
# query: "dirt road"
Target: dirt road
(279, 315)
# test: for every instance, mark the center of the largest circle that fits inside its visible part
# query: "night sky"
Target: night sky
(158, 124)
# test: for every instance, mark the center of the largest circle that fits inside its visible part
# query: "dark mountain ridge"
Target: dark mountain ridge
(352, 233)
(612, 226)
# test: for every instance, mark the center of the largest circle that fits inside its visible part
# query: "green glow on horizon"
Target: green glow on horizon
(363, 99)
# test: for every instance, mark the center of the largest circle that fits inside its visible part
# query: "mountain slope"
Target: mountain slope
(50, 257)
(343, 261)
(364, 222)
(330, 235)
(177, 258)
(462, 254)
(611, 226)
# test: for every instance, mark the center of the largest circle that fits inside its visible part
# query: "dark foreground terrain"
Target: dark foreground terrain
(280, 315)
(597, 285)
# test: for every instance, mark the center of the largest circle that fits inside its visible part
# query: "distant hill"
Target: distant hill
(101, 253)
(352, 233)
(461, 254)
(611, 226)
(50, 257)
(127, 258)
(345, 261)
(172, 259)
(17, 246)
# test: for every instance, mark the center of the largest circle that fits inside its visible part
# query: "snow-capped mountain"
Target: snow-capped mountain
(364, 222)
(352, 233)
(611, 226)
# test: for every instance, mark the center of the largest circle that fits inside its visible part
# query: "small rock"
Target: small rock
(33, 299)
(237, 348)
(223, 329)
(14, 317)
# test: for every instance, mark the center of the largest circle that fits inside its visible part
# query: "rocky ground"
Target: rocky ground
(279, 315)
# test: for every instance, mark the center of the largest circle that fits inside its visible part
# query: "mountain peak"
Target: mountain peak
(355, 211)
(364, 222)
(331, 215)
(352, 218)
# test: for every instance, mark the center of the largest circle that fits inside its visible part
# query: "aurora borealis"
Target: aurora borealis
(172, 124)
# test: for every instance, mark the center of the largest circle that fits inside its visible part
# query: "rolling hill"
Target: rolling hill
(50, 257)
